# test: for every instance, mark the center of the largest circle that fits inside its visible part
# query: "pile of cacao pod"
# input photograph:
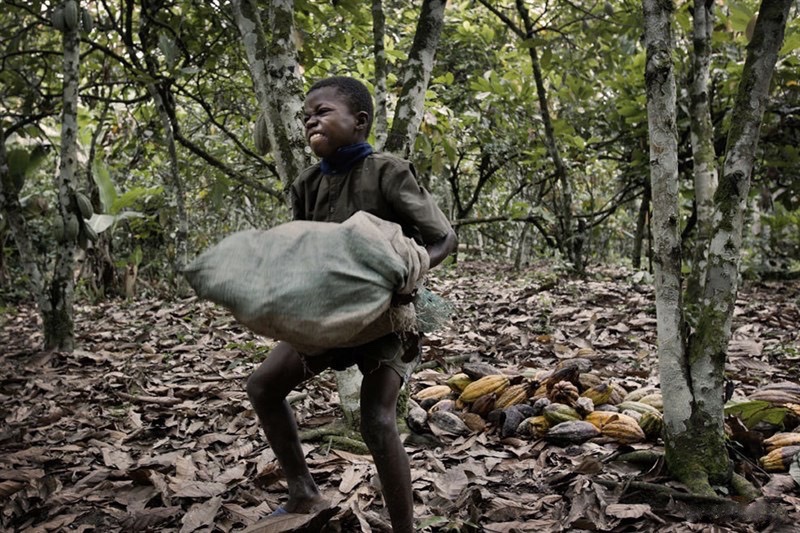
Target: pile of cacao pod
(568, 405)
(75, 227)
(782, 447)
(67, 16)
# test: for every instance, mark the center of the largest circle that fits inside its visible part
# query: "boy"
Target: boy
(349, 178)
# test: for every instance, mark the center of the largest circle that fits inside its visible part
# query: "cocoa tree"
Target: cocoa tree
(694, 330)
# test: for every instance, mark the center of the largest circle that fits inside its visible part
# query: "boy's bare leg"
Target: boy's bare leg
(379, 391)
(267, 388)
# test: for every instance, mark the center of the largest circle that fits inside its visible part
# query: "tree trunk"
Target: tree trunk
(692, 366)
(416, 76)
(380, 123)
(702, 136)
(15, 220)
(59, 330)
(277, 82)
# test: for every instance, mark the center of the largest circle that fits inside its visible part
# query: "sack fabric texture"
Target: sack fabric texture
(316, 285)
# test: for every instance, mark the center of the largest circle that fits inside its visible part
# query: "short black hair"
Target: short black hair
(355, 92)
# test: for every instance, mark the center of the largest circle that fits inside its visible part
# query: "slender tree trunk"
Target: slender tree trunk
(702, 136)
(11, 208)
(277, 81)
(59, 330)
(416, 77)
(380, 123)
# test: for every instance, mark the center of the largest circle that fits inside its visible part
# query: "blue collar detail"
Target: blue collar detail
(345, 158)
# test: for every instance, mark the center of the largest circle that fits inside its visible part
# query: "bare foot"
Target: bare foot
(306, 505)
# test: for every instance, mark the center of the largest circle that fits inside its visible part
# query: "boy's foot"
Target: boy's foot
(304, 506)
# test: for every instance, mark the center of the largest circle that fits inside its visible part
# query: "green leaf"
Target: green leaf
(753, 412)
(108, 193)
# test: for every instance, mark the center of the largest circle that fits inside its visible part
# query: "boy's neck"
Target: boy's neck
(345, 158)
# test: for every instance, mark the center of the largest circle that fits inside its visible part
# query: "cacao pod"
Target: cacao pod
(556, 413)
(636, 394)
(494, 383)
(71, 228)
(445, 404)
(434, 392)
(779, 459)
(652, 424)
(70, 15)
(571, 432)
(473, 421)
(563, 392)
(86, 21)
(57, 18)
(58, 228)
(599, 394)
(534, 426)
(483, 405)
(587, 381)
(655, 400)
(624, 431)
(637, 406)
(84, 205)
(539, 405)
(775, 396)
(512, 396)
(417, 418)
(91, 234)
(601, 418)
(261, 135)
(458, 382)
(447, 423)
(779, 440)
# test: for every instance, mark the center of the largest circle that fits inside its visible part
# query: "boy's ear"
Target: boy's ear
(362, 119)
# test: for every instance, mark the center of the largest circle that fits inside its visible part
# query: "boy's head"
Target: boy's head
(338, 112)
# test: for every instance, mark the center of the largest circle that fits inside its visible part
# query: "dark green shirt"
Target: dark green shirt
(381, 184)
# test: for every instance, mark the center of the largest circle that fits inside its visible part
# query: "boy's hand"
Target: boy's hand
(403, 299)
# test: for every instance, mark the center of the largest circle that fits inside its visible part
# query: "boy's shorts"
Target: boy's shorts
(398, 351)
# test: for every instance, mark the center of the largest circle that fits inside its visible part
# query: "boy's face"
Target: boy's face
(329, 122)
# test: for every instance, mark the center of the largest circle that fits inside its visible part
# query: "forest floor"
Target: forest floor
(147, 427)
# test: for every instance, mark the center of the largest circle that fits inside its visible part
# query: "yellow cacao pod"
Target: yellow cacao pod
(513, 395)
(654, 400)
(779, 440)
(599, 394)
(624, 431)
(779, 459)
(434, 392)
(495, 383)
(637, 394)
(637, 406)
(601, 418)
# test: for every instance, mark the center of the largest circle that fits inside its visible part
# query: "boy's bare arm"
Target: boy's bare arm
(440, 249)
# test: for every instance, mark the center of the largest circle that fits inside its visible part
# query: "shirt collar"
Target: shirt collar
(345, 158)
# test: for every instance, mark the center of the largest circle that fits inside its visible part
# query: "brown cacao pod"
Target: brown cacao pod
(512, 396)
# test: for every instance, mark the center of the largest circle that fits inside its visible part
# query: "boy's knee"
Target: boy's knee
(258, 388)
(378, 428)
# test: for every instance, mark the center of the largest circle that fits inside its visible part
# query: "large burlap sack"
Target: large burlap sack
(316, 285)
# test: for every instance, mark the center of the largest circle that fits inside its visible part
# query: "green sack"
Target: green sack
(316, 285)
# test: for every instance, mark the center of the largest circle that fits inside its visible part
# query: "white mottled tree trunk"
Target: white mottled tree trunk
(692, 364)
(380, 124)
(416, 76)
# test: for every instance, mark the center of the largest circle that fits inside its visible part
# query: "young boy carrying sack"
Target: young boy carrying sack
(349, 178)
